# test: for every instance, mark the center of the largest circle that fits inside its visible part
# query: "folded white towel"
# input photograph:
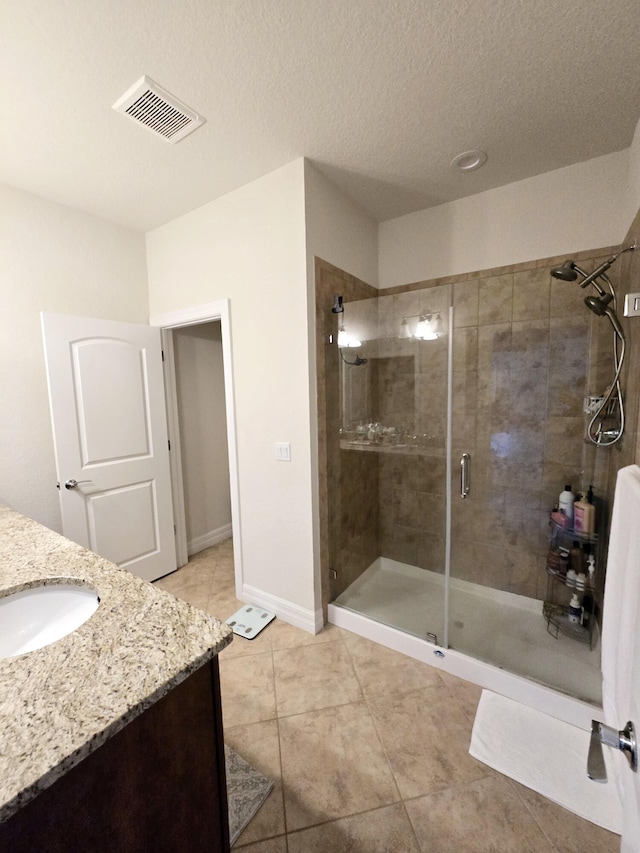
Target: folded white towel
(545, 754)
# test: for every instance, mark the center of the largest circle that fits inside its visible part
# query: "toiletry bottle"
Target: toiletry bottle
(559, 518)
(564, 564)
(554, 562)
(591, 569)
(584, 513)
(576, 558)
(565, 503)
(580, 508)
(575, 610)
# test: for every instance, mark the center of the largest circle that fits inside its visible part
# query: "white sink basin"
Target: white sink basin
(43, 614)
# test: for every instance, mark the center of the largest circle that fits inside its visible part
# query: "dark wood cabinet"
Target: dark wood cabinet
(157, 785)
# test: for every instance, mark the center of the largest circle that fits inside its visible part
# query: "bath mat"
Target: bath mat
(247, 789)
(250, 620)
(546, 755)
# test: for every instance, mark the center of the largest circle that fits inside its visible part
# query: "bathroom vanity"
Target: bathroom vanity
(111, 737)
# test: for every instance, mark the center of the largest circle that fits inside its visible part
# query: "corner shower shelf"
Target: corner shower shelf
(569, 534)
(557, 616)
(555, 610)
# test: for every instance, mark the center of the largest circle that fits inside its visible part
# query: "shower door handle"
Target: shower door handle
(465, 459)
(624, 740)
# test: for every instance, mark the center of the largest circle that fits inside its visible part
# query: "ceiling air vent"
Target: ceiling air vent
(153, 107)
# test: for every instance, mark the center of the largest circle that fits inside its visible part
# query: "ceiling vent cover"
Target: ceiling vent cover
(153, 107)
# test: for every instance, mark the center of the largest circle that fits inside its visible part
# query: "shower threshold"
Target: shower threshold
(496, 639)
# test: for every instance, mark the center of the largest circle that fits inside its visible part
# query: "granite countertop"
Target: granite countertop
(61, 702)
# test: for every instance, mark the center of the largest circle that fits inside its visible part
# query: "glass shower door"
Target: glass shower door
(516, 404)
(392, 461)
(494, 533)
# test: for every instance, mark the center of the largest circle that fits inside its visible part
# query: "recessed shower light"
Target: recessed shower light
(469, 161)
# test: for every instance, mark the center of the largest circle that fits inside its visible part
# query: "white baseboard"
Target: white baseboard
(199, 543)
(293, 614)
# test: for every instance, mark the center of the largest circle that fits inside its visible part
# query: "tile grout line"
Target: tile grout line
(282, 781)
(373, 720)
(514, 787)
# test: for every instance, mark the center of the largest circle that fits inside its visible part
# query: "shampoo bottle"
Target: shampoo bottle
(565, 503)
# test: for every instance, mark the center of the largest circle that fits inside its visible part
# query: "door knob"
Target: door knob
(624, 740)
(73, 484)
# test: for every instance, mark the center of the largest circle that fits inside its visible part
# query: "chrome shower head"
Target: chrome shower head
(565, 272)
(569, 271)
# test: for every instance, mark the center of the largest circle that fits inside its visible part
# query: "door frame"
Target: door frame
(196, 316)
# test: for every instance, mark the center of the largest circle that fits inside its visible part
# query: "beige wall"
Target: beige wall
(203, 433)
(634, 174)
(558, 213)
(56, 259)
(249, 247)
(338, 231)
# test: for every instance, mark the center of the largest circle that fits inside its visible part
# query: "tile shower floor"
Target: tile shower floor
(368, 749)
(506, 630)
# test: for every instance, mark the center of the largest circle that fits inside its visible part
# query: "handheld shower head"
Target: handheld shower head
(600, 306)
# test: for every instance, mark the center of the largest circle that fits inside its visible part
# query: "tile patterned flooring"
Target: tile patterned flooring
(368, 749)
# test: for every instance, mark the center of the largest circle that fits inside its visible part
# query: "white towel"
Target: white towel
(621, 633)
(547, 755)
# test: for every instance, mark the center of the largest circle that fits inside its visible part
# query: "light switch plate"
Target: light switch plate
(283, 451)
(632, 305)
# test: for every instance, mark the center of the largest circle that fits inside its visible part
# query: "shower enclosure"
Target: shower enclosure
(455, 416)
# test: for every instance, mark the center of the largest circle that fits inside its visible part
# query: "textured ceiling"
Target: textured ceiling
(379, 94)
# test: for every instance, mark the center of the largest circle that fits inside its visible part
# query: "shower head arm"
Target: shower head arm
(601, 270)
(590, 278)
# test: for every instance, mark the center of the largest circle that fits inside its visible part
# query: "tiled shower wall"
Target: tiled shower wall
(348, 482)
(526, 353)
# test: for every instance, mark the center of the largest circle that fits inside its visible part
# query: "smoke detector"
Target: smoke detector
(153, 107)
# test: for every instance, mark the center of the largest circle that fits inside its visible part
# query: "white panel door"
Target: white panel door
(106, 394)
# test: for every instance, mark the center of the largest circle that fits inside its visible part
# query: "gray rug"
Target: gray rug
(247, 789)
